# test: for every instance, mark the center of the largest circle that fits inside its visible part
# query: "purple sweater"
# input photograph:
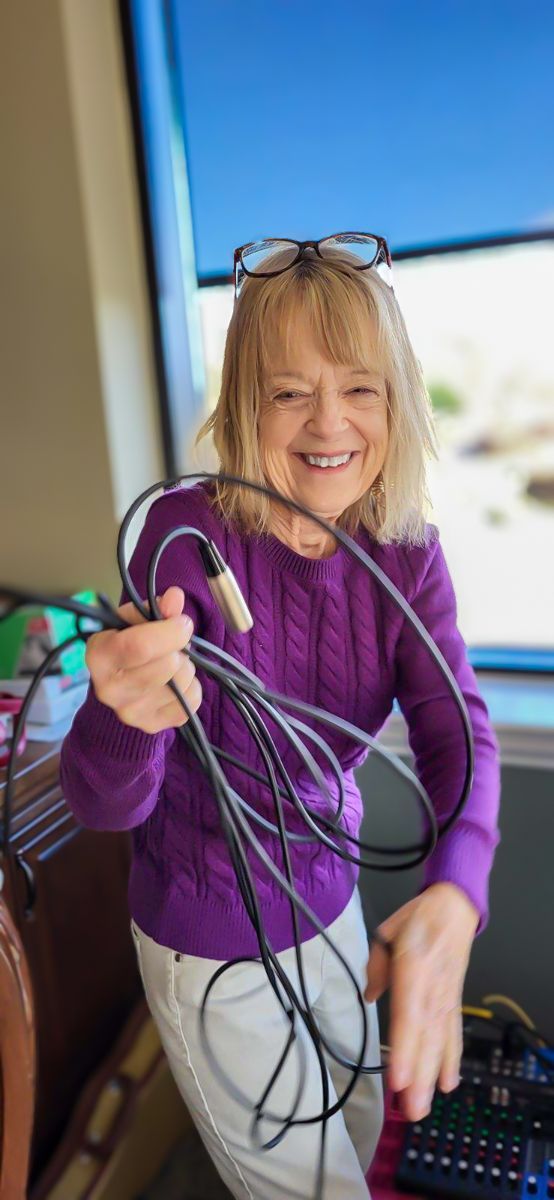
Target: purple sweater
(324, 631)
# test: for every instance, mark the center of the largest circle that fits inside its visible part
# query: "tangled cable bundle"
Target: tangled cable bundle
(253, 701)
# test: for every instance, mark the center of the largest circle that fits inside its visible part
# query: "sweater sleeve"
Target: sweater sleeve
(464, 855)
(111, 773)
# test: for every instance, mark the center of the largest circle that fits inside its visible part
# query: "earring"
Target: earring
(377, 492)
(377, 488)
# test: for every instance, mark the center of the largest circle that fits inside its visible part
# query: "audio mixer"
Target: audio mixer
(492, 1137)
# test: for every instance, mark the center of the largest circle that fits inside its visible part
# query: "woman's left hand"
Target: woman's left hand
(431, 940)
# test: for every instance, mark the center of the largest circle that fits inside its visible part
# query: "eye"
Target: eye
(285, 395)
(367, 391)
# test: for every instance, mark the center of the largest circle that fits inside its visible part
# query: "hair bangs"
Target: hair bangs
(343, 321)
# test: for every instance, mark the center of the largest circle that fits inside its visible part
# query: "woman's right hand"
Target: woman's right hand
(130, 668)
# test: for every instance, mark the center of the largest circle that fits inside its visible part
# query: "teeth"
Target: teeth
(317, 460)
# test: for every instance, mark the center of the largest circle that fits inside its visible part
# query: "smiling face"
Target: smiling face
(312, 410)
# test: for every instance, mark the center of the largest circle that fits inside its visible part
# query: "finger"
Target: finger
(449, 1077)
(151, 718)
(429, 1056)
(139, 645)
(378, 972)
(137, 681)
(173, 715)
(417, 1098)
(170, 603)
(409, 969)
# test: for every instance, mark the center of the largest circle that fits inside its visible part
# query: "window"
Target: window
(262, 137)
(479, 321)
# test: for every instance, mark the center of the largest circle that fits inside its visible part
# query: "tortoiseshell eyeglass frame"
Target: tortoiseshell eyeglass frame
(382, 254)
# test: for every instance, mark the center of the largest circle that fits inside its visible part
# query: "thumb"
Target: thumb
(172, 602)
(378, 971)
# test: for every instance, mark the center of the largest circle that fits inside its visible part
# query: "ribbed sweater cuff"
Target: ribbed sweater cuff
(464, 856)
(100, 732)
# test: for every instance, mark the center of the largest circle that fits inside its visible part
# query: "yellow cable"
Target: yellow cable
(471, 1011)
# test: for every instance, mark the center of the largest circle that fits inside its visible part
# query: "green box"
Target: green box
(30, 633)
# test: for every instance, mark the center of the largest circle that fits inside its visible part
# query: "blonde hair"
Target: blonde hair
(344, 307)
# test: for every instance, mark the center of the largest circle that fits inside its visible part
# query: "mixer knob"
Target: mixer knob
(512, 1180)
(429, 1159)
(532, 1185)
(446, 1162)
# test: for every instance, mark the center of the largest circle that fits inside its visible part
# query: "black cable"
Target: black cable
(252, 700)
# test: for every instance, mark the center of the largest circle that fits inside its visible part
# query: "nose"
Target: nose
(327, 419)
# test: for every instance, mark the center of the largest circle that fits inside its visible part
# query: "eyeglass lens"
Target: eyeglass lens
(359, 250)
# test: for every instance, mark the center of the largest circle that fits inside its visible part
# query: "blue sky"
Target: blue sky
(425, 120)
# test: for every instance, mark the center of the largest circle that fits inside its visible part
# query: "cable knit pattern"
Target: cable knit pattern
(323, 632)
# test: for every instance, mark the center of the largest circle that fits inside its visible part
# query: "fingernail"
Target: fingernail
(423, 1100)
(186, 623)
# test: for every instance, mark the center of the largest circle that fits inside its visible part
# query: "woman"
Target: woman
(323, 399)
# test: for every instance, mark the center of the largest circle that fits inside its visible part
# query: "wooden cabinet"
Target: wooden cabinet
(66, 888)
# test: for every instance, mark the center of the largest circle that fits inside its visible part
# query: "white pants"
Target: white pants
(247, 1030)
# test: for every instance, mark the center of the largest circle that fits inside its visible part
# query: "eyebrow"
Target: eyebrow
(373, 372)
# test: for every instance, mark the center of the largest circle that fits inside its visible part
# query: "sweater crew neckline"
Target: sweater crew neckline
(287, 559)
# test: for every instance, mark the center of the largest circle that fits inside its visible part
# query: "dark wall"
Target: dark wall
(515, 953)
